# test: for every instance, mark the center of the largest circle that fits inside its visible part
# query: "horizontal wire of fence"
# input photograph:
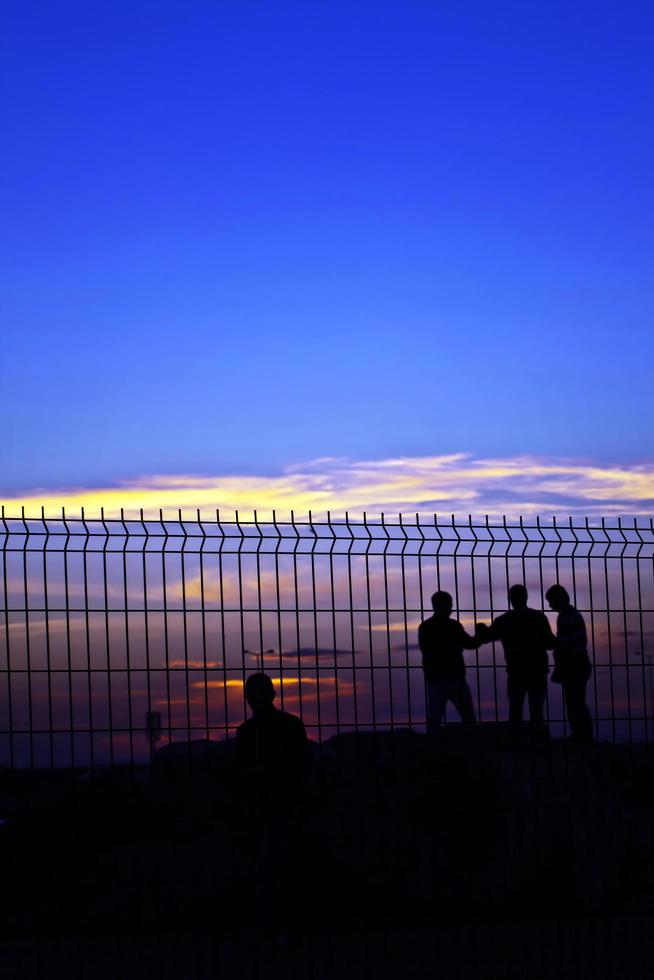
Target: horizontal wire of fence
(119, 634)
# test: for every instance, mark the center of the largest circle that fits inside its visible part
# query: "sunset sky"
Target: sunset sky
(325, 255)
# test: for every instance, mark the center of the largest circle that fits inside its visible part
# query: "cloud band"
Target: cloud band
(461, 484)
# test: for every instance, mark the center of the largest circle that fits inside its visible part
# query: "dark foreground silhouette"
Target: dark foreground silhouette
(481, 859)
(482, 853)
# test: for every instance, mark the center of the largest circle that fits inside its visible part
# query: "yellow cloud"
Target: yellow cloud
(458, 483)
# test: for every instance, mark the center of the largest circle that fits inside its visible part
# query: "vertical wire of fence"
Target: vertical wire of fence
(118, 634)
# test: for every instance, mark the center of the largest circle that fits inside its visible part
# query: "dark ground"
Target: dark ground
(480, 860)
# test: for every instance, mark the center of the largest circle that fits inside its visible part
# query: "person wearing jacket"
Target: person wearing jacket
(442, 641)
(572, 667)
(526, 636)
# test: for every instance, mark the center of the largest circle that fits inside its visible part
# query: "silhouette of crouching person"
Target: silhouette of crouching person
(442, 641)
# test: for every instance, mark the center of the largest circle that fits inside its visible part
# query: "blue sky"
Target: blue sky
(241, 235)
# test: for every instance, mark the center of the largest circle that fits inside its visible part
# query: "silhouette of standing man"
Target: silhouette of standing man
(526, 636)
(442, 642)
(572, 668)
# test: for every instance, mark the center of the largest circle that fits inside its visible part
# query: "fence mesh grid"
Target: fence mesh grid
(112, 626)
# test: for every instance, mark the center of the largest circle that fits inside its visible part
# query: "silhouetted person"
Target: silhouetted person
(271, 744)
(572, 668)
(442, 642)
(272, 752)
(526, 636)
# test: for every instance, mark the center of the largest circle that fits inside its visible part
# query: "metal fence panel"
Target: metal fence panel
(107, 623)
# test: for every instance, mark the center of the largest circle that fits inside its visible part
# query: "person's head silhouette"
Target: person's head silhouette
(518, 596)
(441, 603)
(259, 692)
(558, 598)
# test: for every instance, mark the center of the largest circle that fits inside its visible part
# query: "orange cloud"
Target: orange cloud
(286, 680)
(326, 682)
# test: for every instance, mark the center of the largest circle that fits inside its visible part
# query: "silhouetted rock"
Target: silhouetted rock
(200, 757)
(374, 748)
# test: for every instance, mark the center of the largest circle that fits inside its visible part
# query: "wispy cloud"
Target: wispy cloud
(459, 484)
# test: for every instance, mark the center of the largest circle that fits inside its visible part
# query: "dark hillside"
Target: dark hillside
(476, 860)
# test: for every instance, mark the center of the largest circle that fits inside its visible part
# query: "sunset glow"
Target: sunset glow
(461, 484)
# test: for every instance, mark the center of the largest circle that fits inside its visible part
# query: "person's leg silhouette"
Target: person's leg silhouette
(516, 689)
(536, 693)
(461, 698)
(436, 701)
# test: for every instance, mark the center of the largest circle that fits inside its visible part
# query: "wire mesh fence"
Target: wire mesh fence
(119, 634)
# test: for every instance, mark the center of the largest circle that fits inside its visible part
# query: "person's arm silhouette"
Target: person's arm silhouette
(549, 638)
(471, 642)
(483, 633)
